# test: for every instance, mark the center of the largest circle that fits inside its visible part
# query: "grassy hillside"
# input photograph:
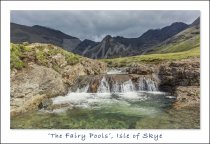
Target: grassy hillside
(152, 58)
(185, 40)
(22, 54)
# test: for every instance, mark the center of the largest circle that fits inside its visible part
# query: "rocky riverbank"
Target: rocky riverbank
(45, 73)
(179, 78)
(182, 79)
(41, 71)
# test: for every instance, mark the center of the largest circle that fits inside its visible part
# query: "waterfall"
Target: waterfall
(151, 85)
(127, 86)
(142, 84)
(108, 89)
(104, 86)
(83, 89)
(147, 85)
(115, 84)
(115, 88)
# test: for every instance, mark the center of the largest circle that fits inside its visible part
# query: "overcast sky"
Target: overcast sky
(95, 25)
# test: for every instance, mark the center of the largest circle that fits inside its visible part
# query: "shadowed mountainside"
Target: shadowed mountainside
(40, 34)
(184, 40)
(112, 47)
(174, 38)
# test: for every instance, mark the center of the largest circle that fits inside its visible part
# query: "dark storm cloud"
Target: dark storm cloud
(95, 25)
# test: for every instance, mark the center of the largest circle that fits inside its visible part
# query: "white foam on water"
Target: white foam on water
(156, 92)
(129, 95)
(170, 97)
(115, 71)
(87, 100)
(72, 98)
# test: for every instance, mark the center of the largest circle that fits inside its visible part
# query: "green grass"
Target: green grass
(178, 46)
(16, 56)
(21, 54)
(152, 58)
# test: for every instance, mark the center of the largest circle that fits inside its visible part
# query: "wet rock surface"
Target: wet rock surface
(180, 73)
(179, 78)
(51, 74)
(182, 79)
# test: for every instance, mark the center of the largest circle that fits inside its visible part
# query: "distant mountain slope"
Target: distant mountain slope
(174, 38)
(109, 47)
(84, 46)
(185, 40)
(21, 33)
(112, 47)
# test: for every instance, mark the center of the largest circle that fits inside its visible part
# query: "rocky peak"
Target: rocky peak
(196, 22)
(107, 38)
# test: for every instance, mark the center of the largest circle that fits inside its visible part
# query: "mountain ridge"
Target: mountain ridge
(112, 47)
(33, 34)
(109, 47)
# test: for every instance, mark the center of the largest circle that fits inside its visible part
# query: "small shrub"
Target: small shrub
(41, 57)
(16, 57)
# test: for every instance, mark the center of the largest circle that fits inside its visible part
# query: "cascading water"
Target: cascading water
(147, 85)
(83, 89)
(116, 100)
(104, 86)
(151, 86)
(127, 86)
(108, 89)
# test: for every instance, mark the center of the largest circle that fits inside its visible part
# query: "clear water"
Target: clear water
(127, 110)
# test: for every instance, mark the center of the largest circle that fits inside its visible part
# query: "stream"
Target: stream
(113, 101)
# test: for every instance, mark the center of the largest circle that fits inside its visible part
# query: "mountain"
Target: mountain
(112, 47)
(196, 22)
(109, 47)
(173, 38)
(40, 34)
(84, 46)
(184, 40)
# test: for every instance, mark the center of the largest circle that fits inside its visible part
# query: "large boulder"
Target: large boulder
(32, 85)
(180, 73)
(85, 67)
(187, 96)
(181, 79)
(71, 73)
(93, 67)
